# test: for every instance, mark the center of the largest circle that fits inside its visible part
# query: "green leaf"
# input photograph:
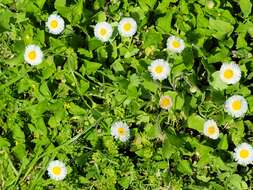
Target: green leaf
(163, 23)
(196, 122)
(117, 66)
(49, 67)
(146, 152)
(184, 167)
(250, 102)
(125, 182)
(219, 56)
(237, 131)
(84, 86)
(235, 182)
(150, 85)
(188, 58)
(146, 4)
(57, 45)
(24, 85)
(132, 91)
(94, 44)
(4, 20)
(152, 38)
(223, 144)
(91, 67)
(246, 7)
(152, 131)
(20, 152)
(102, 54)
(72, 13)
(40, 3)
(221, 28)
(75, 109)
(44, 89)
(216, 82)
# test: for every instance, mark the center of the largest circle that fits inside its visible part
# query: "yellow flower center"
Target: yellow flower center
(103, 32)
(176, 44)
(159, 69)
(228, 74)
(211, 130)
(32, 55)
(127, 27)
(165, 102)
(244, 153)
(236, 105)
(56, 170)
(121, 131)
(54, 24)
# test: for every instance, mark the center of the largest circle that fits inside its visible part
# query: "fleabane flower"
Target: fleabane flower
(210, 129)
(159, 69)
(33, 54)
(103, 31)
(175, 44)
(230, 73)
(243, 154)
(120, 130)
(55, 24)
(166, 102)
(236, 106)
(57, 170)
(127, 27)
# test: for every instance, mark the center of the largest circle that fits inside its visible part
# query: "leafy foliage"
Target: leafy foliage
(63, 108)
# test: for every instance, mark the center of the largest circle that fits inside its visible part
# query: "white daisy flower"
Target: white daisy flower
(120, 130)
(103, 31)
(175, 44)
(230, 73)
(55, 24)
(166, 102)
(210, 129)
(159, 69)
(236, 106)
(57, 170)
(243, 154)
(33, 55)
(127, 27)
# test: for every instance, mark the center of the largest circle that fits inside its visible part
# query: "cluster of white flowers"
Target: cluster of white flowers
(236, 106)
(33, 54)
(229, 73)
(127, 27)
